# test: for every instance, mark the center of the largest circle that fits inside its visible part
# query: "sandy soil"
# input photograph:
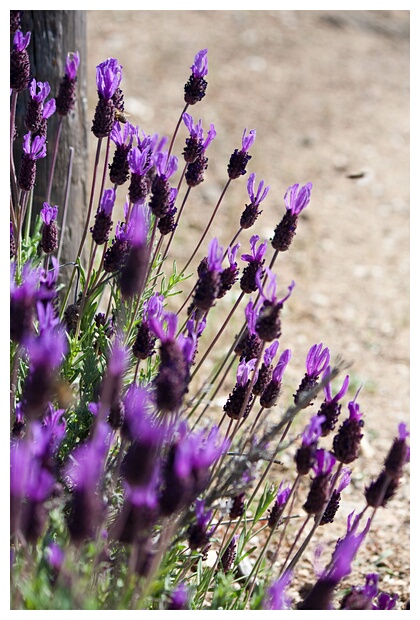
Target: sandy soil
(328, 94)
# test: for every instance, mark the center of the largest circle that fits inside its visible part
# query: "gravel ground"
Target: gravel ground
(328, 94)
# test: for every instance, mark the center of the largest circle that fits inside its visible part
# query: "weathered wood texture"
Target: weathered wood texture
(53, 35)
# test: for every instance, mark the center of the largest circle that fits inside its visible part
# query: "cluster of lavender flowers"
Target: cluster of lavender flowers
(120, 488)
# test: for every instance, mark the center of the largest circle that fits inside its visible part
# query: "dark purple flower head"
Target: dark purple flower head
(72, 65)
(195, 88)
(196, 145)
(240, 158)
(276, 597)
(108, 77)
(20, 66)
(297, 199)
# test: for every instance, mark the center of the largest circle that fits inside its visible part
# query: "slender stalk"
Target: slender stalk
(66, 201)
(84, 234)
(216, 208)
(219, 333)
(54, 158)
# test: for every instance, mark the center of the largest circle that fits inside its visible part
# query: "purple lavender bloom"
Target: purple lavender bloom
(229, 275)
(187, 469)
(103, 222)
(235, 406)
(195, 88)
(255, 260)
(272, 390)
(32, 482)
(331, 407)
(334, 501)
(72, 65)
(144, 344)
(171, 382)
(361, 597)
(199, 67)
(160, 200)
(268, 325)
(276, 597)
(197, 452)
(198, 533)
(122, 136)
(239, 159)
(48, 213)
(66, 97)
(108, 77)
(33, 149)
(179, 598)
(320, 597)
(196, 144)
(317, 498)
(306, 454)
(207, 287)
(317, 361)
(49, 232)
(85, 472)
(295, 200)
(22, 302)
(20, 67)
(249, 344)
(346, 442)
(54, 555)
(279, 504)
(21, 41)
(38, 91)
(251, 212)
(266, 369)
(385, 601)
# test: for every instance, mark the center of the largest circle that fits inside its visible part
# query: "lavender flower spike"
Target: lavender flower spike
(317, 361)
(195, 88)
(275, 597)
(295, 201)
(239, 159)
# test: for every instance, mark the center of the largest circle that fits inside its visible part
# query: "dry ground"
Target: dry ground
(328, 93)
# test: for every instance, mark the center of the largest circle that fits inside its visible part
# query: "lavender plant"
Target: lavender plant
(124, 492)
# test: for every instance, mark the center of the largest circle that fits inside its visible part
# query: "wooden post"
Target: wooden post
(53, 35)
